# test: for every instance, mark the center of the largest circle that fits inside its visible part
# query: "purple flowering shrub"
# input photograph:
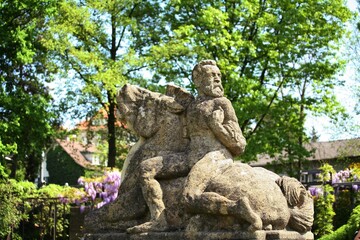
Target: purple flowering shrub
(343, 176)
(316, 191)
(96, 192)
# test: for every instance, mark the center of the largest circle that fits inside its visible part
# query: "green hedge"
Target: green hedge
(346, 232)
(62, 168)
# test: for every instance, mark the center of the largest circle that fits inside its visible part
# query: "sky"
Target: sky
(347, 97)
(326, 130)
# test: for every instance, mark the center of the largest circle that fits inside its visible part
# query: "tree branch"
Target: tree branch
(267, 108)
(86, 80)
(124, 28)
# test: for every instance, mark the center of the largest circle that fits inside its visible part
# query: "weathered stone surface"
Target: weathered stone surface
(180, 235)
(180, 180)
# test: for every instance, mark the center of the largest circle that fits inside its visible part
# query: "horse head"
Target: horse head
(144, 111)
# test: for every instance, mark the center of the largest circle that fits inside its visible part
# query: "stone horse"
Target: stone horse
(158, 121)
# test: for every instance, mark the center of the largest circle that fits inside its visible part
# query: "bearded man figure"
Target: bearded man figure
(216, 139)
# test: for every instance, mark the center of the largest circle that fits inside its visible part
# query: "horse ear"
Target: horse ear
(171, 104)
(129, 92)
(180, 95)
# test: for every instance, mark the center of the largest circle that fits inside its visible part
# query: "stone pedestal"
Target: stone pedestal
(181, 235)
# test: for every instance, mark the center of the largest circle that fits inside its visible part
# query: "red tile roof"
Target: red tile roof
(74, 150)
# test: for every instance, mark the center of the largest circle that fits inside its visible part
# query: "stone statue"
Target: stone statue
(181, 173)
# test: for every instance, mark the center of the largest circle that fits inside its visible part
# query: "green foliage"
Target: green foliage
(277, 60)
(25, 122)
(324, 212)
(12, 194)
(323, 223)
(326, 172)
(41, 207)
(3, 174)
(22, 202)
(346, 231)
(62, 168)
(355, 168)
(342, 208)
(105, 44)
(51, 190)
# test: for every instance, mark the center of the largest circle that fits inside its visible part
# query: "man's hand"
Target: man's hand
(217, 117)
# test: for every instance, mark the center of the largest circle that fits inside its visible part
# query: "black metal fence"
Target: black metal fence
(311, 178)
(50, 219)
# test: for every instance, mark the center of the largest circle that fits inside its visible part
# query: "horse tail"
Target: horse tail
(300, 203)
(293, 190)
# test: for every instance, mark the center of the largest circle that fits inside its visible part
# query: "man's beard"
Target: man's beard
(214, 90)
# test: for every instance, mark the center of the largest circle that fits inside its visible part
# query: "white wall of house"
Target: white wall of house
(93, 158)
(43, 175)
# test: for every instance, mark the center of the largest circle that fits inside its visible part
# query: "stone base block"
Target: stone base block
(181, 235)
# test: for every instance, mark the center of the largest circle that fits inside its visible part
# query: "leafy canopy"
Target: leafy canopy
(278, 61)
(25, 122)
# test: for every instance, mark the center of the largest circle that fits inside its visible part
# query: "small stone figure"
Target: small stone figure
(158, 121)
(166, 165)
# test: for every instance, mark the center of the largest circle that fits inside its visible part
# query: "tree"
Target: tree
(277, 59)
(352, 50)
(25, 122)
(105, 44)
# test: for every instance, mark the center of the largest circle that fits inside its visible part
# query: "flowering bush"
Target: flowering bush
(343, 176)
(324, 199)
(316, 191)
(96, 192)
(347, 175)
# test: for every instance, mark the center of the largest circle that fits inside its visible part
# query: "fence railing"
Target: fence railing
(50, 219)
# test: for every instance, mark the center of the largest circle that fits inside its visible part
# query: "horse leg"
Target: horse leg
(245, 212)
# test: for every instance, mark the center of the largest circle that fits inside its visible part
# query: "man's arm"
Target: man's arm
(223, 123)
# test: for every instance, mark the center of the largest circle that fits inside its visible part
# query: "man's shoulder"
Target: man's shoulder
(222, 100)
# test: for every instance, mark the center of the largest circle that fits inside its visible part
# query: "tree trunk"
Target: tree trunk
(111, 101)
(111, 134)
(14, 166)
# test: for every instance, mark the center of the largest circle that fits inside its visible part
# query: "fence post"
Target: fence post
(55, 213)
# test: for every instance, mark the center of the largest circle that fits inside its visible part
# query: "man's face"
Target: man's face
(211, 82)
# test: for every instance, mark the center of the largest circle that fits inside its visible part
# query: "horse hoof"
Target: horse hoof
(268, 227)
(255, 226)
